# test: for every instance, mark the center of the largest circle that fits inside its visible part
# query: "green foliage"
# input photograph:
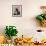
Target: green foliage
(11, 31)
(45, 17)
(41, 17)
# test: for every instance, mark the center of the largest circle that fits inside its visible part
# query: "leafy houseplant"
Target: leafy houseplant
(11, 31)
(42, 19)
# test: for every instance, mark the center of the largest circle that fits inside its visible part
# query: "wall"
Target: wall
(26, 24)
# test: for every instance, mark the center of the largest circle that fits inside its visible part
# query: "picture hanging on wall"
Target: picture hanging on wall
(16, 10)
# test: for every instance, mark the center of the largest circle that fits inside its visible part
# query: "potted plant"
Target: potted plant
(10, 31)
(42, 17)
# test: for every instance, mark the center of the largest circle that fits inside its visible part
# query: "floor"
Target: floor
(30, 45)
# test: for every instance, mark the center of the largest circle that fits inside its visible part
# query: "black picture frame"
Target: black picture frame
(16, 10)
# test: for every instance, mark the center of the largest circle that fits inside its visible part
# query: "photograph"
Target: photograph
(16, 10)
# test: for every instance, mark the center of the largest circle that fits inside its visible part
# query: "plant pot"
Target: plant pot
(43, 23)
(9, 41)
(13, 38)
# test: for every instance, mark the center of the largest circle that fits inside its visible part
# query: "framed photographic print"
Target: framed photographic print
(16, 10)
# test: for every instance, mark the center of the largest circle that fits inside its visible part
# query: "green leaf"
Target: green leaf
(45, 16)
(40, 18)
(10, 31)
